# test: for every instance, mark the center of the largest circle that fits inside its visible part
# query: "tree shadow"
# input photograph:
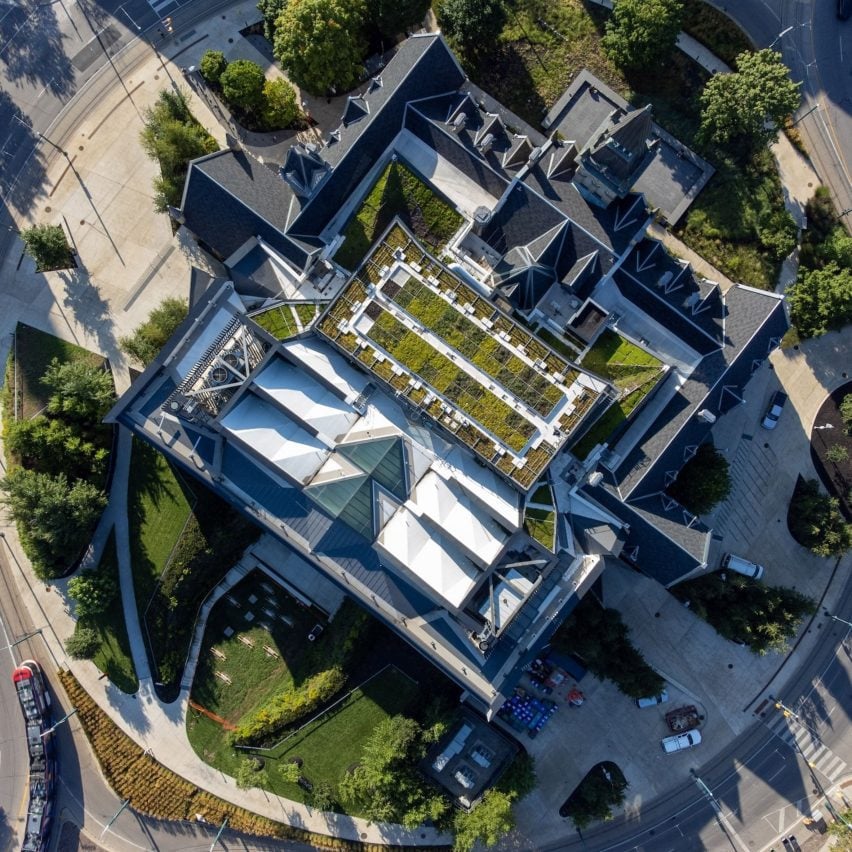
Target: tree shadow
(22, 164)
(83, 299)
(32, 50)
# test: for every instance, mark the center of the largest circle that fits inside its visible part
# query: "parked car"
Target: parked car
(844, 9)
(653, 700)
(680, 741)
(732, 562)
(776, 406)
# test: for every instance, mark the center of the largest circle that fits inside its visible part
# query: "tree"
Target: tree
(487, 823)
(50, 445)
(640, 33)
(83, 644)
(472, 24)
(242, 84)
(93, 592)
(54, 517)
(743, 110)
(601, 790)
(386, 785)
(290, 772)
(78, 390)
(778, 233)
(392, 17)
(821, 299)
(846, 412)
(815, 521)
(320, 43)
(837, 453)
(48, 247)
(323, 796)
(212, 66)
(703, 482)
(271, 11)
(280, 108)
(150, 337)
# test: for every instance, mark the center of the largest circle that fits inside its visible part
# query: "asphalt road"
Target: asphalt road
(817, 48)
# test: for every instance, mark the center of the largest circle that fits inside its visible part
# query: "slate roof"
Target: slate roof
(620, 147)
(230, 197)
(303, 169)
(754, 324)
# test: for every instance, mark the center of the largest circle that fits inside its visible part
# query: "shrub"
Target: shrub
(78, 390)
(212, 66)
(83, 644)
(286, 707)
(846, 412)
(48, 247)
(93, 592)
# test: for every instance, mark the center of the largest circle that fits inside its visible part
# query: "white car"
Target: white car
(680, 741)
(776, 406)
(653, 700)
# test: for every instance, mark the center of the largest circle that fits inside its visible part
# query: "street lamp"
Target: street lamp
(827, 614)
(781, 35)
(122, 9)
(64, 719)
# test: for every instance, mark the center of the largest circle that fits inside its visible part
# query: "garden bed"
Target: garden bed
(835, 473)
(601, 789)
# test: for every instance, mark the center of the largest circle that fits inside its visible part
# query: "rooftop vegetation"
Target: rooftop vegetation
(413, 353)
(481, 348)
(541, 525)
(397, 192)
(621, 362)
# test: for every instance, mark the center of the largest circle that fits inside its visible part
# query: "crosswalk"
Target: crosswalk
(806, 743)
(162, 7)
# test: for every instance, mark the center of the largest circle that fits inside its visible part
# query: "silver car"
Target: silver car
(776, 406)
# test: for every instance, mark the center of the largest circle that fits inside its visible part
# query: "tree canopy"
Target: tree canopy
(846, 412)
(392, 17)
(83, 644)
(703, 482)
(52, 514)
(472, 24)
(386, 785)
(320, 43)
(150, 337)
(242, 84)
(815, 520)
(212, 66)
(489, 821)
(602, 789)
(78, 390)
(744, 109)
(48, 247)
(821, 299)
(47, 444)
(280, 108)
(640, 33)
(94, 592)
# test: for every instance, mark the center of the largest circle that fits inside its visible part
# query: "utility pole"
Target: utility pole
(64, 719)
(116, 815)
(218, 834)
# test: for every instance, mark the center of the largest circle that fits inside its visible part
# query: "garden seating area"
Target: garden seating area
(525, 712)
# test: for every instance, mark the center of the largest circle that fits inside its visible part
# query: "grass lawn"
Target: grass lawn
(307, 313)
(327, 747)
(541, 525)
(159, 504)
(610, 420)
(397, 192)
(34, 350)
(618, 360)
(278, 322)
(113, 657)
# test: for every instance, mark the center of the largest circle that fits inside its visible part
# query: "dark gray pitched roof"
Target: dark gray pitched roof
(522, 217)
(755, 323)
(304, 169)
(356, 108)
(621, 147)
(229, 197)
(423, 66)
(659, 546)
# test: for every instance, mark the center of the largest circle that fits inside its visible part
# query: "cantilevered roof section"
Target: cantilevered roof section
(446, 504)
(431, 556)
(275, 437)
(306, 400)
(323, 361)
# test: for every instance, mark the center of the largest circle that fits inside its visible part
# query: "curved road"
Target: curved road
(817, 47)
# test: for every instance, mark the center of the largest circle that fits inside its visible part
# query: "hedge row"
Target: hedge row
(286, 707)
(162, 794)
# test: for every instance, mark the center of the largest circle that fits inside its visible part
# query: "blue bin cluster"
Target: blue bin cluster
(524, 712)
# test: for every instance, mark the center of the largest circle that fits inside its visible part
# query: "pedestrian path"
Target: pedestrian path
(806, 743)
